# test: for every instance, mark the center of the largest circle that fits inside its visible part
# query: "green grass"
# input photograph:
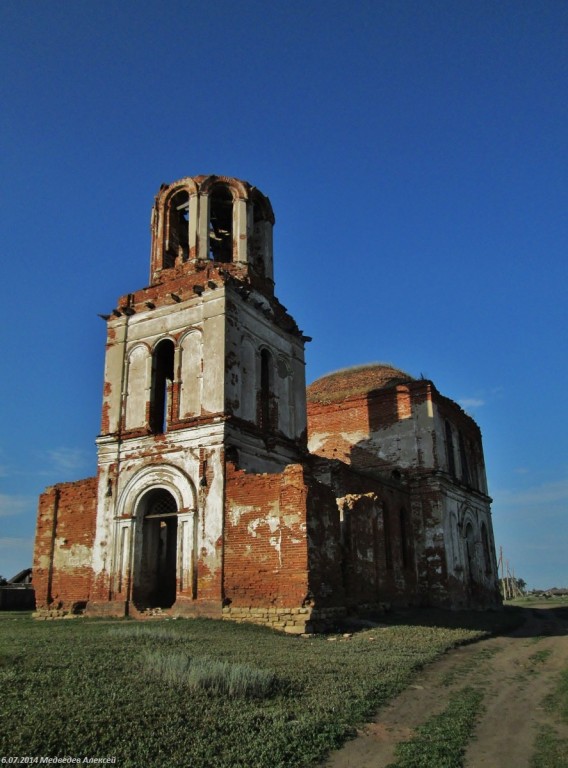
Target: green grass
(220, 678)
(441, 741)
(475, 663)
(539, 657)
(90, 688)
(551, 751)
(557, 702)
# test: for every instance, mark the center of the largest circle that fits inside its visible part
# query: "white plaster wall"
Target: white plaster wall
(213, 395)
(191, 375)
(179, 452)
(459, 509)
(245, 385)
(115, 371)
(204, 315)
(475, 452)
(249, 329)
(137, 386)
(397, 444)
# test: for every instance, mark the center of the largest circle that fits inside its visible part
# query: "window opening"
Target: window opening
(473, 466)
(177, 243)
(160, 393)
(221, 225)
(450, 449)
(463, 460)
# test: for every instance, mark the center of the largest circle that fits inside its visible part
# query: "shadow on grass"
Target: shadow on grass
(511, 619)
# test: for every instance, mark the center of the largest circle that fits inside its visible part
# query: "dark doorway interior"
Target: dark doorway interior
(155, 586)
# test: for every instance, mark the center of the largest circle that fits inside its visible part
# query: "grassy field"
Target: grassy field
(551, 749)
(206, 694)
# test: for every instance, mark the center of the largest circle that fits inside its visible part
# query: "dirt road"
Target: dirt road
(515, 672)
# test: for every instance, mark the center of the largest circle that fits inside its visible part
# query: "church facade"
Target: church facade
(224, 487)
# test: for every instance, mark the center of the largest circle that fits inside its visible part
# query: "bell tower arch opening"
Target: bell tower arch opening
(221, 225)
(177, 233)
(155, 579)
(160, 390)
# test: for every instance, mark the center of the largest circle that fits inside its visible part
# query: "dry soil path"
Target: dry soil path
(514, 671)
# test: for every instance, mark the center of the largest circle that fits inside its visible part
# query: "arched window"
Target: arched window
(266, 388)
(162, 378)
(450, 449)
(221, 225)
(177, 233)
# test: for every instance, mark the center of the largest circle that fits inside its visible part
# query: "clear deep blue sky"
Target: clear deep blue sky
(415, 154)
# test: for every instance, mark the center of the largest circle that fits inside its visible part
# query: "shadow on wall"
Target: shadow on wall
(386, 407)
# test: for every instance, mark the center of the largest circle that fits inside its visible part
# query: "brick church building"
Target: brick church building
(225, 487)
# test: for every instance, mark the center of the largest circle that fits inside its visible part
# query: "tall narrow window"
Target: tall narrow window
(266, 382)
(221, 225)
(473, 466)
(162, 378)
(463, 460)
(177, 234)
(450, 449)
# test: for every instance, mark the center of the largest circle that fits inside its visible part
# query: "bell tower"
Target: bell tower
(204, 365)
(212, 220)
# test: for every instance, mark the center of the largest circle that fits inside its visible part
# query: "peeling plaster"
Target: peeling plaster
(238, 510)
(77, 556)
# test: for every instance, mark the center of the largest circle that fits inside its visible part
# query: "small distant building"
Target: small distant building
(17, 594)
(224, 488)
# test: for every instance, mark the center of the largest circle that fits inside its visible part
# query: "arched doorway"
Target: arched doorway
(156, 560)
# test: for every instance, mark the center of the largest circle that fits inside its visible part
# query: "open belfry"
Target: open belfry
(224, 487)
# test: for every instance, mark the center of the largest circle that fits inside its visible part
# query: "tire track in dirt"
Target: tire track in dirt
(521, 676)
(515, 672)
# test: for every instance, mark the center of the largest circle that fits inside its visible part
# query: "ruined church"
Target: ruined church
(224, 487)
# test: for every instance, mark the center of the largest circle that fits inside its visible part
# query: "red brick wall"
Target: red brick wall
(64, 539)
(368, 416)
(332, 420)
(265, 548)
(374, 569)
(325, 551)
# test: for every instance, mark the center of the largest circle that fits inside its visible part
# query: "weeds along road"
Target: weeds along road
(514, 675)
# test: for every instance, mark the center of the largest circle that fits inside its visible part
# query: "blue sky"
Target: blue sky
(415, 154)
